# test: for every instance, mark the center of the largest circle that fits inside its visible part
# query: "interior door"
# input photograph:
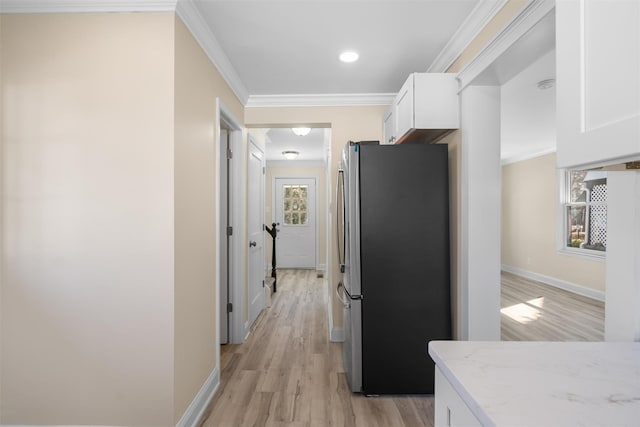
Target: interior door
(225, 241)
(295, 211)
(255, 232)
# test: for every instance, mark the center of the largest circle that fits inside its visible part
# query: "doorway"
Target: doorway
(229, 265)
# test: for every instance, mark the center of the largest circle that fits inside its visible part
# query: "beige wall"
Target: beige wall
(317, 172)
(347, 123)
(197, 84)
(87, 251)
(530, 225)
(108, 309)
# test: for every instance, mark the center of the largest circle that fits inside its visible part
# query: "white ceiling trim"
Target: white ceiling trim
(528, 17)
(77, 6)
(190, 15)
(527, 156)
(479, 17)
(321, 100)
(185, 9)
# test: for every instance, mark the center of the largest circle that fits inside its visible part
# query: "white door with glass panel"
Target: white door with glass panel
(295, 211)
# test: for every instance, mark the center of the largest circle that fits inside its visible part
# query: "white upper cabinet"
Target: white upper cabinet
(389, 127)
(598, 82)
(426, 107)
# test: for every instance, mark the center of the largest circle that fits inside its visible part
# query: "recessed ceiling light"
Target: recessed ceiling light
(349, 56)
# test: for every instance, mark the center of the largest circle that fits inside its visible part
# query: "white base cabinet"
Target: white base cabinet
(426, 107)
(598, 82)
(450, 409)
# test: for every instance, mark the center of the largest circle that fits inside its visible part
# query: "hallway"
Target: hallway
(287, 373)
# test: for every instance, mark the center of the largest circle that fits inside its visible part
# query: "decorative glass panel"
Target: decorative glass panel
(294, 205)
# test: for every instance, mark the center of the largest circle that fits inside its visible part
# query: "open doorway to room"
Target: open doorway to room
(547, 293)
(297, 197)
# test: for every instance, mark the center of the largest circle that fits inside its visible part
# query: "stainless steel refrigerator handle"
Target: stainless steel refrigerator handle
(339, 295)
(340, 184)
(352, 297)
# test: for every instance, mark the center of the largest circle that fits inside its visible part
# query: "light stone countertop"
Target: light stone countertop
(544, 383)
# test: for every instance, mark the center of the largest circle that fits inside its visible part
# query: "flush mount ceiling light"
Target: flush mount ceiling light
(290, 154)
(301, 131)
(349, 56)
(546, 84)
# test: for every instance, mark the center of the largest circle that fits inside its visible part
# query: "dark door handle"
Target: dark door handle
(252, 244)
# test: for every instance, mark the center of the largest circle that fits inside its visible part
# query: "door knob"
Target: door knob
(252, 244)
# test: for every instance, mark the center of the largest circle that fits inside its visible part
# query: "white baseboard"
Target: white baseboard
(558, 283)
(192, 417)
(337, 335)
(321, 267)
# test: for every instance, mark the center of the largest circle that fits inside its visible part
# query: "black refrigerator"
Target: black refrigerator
(393, 240)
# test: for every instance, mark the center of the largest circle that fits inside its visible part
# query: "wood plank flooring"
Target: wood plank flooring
(287, 373)
(533, 311)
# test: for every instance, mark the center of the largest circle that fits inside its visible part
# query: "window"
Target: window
(585, 211)
(295, 204)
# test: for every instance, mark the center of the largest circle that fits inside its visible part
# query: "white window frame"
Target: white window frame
(563, 249)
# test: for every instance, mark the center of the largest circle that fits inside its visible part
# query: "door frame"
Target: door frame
(315, 196)
(478, 267)
(237, 210)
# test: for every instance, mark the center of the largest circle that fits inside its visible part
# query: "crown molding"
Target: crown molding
(479, 17)
(185, 9)
(321, 100)
(529, 16)
(190, 15)
(77, 6)
(527, 156)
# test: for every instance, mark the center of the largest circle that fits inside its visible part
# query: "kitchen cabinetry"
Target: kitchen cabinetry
(450, 409)
(389, 128)
(598, 82)
(426, 108)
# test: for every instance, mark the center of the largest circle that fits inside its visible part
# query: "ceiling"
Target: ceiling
(312, 147)
(286, 47)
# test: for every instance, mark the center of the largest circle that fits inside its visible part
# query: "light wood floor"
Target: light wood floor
(287, 373)
(533, 311)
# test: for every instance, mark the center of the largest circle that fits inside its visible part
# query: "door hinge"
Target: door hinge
(263, 283)
(229, 154)
(229, 230)
(229, 307)
(264, 170)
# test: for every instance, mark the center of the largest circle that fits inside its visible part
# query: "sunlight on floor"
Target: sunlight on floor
(525, 312)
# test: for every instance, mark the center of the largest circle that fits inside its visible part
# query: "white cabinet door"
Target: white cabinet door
(450, 409)
(598, 81)
(389, 127)
(403, 106)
